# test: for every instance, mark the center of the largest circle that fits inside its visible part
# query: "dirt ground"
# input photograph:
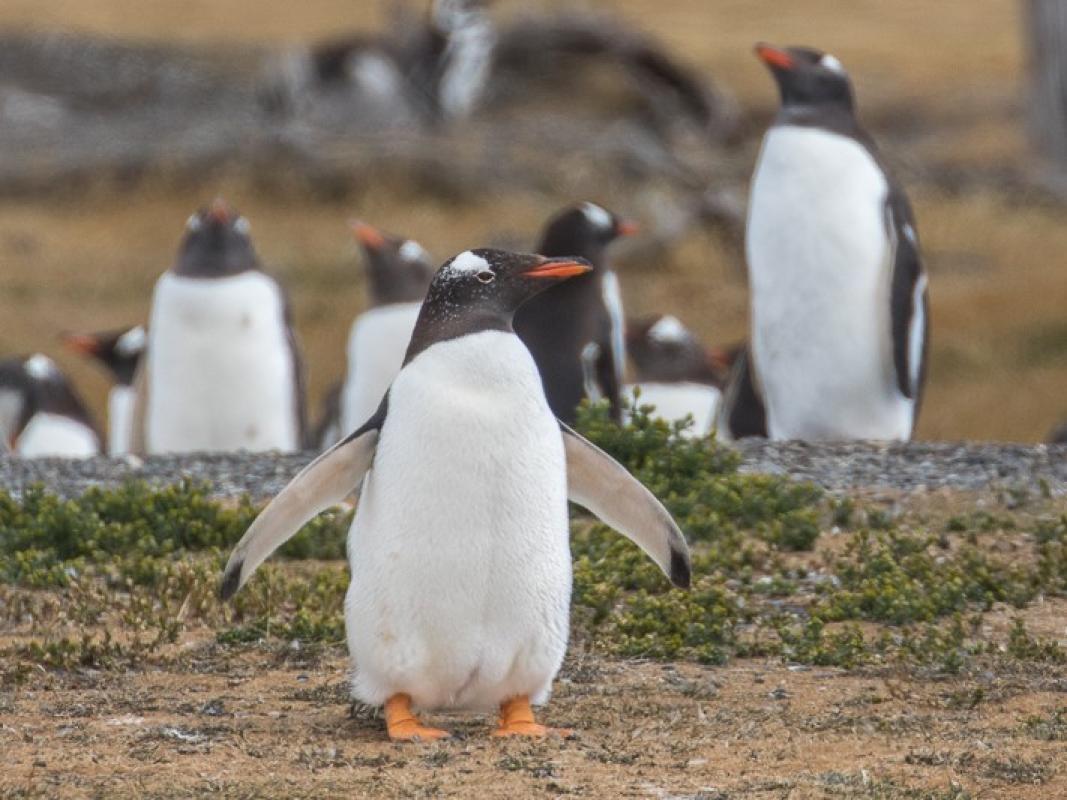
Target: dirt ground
(257, 724)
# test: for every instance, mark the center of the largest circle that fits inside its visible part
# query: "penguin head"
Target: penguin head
(663, 349)
(480, 290)
(807, 77)
(216, 244)
(119, 351)
(584, 230)
(399, 270)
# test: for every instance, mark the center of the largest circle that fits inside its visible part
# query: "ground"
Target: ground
(940, 85)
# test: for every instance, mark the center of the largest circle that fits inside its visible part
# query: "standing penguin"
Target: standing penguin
(222, 368)
(120, 353)
(461, 571)
(675, 372)
(576, 331)
(839, 302)
(399, 271)
(741, 411)
(40, 413)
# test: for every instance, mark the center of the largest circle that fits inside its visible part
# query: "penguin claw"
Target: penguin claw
(412, 731)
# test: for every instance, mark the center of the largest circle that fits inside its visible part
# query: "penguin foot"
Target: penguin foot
(403, 726)
(517, 719)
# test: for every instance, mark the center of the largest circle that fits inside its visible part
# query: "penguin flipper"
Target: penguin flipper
(602, 485)
(324, 482)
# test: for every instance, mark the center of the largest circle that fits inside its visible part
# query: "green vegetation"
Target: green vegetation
(780, 570)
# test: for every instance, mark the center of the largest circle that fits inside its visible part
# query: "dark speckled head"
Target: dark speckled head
(584, 230)
(216, 244)
(399, 270)
(480, 290)
(807, 77)
(665, 351)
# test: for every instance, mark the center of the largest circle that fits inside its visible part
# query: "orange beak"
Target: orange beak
(80, 343)
(367, 235)
(627, 227)
(220, 212)
(773, 57)
(558, 268)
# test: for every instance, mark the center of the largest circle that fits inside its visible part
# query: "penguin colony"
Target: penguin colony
(452, 421)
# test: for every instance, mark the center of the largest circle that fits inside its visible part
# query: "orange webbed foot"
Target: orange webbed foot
(403, 726)
(517, 719)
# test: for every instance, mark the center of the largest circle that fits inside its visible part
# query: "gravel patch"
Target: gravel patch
(839, 467)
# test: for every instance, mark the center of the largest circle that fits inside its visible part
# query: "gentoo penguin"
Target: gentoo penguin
(461, 572)
(576, 331)
(398, 272)
(675, 373)
(40, 413)
(839, 302)
(222, 369)
(741, 411)
(120, 353)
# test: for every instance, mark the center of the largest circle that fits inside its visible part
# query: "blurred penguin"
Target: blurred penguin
(839, 301)
(674, 372)
(222, 370)
(398, 274)
(119, 352)
(576, 330)
(741, 411)
(40, 413)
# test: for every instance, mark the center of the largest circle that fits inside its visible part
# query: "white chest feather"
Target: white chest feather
(613, 301)
(376, 347)
(676, 401)
(459, 550)
(819, 265)
(58, 436)
(120, 401)
(221, 371)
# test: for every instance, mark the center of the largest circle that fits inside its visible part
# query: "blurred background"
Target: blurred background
(118, 118)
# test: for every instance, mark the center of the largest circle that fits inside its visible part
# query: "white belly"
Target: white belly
(376, 347)
(459, 551)
(58, 436)
(675, 401)
(220, 366)
(120, 402)
(819, 268)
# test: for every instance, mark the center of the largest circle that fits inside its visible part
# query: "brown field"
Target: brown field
(941, 84)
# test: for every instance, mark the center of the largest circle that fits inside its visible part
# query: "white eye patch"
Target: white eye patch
(667, 330)
(131, 342)
(597, 216)
(40, 366)
(468, 262)
(193, 223)
(412, 251)
(832, 64)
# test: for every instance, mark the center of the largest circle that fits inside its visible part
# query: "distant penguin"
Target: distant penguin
(741, 412)
(576, 331)
(40, 413)
(222, 368)
(675, 373)
(461, 570)
(327, 429)
(1058, 435)
(120, 353)
(839, 301)
(398, 273)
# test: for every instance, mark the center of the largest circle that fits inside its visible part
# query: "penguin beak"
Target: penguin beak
(627, 227)
(773, 57)
(367, 235)
(219, 212)
(80, 343)
(558, 268)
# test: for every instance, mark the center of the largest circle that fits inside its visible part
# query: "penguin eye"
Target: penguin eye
(485, 276)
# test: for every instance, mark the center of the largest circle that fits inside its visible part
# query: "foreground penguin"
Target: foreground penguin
(398, 273)
(120, 354)
(40, 413)
(461, 571)
(675, 373)
(222, 369)
(839, 302)
(576, 331)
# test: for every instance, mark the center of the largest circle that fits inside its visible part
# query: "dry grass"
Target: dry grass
(940, 84)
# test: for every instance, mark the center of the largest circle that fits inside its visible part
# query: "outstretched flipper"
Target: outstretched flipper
(601, 484)
(324, 482)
